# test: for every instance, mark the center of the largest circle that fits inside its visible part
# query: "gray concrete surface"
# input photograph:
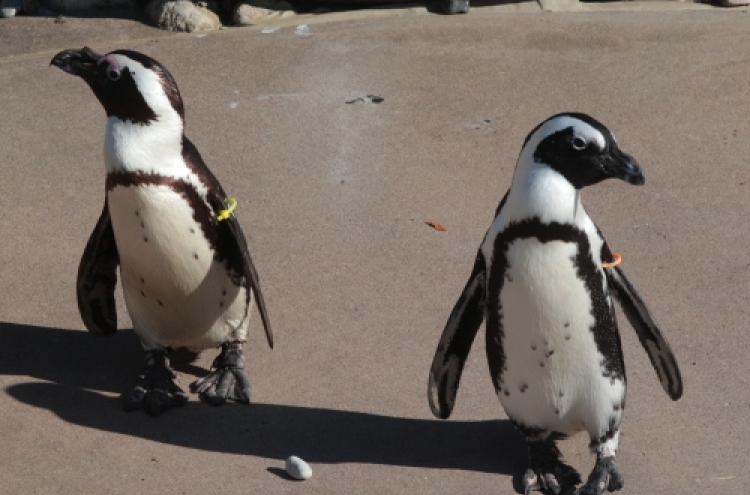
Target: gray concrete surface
(334, 199)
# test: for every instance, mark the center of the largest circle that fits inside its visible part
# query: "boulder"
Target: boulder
(181, 15)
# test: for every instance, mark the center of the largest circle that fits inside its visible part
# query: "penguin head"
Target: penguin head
(130, 85)
(580, 149)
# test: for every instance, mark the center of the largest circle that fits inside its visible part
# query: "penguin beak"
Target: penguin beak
(82, 63)
(620, 165)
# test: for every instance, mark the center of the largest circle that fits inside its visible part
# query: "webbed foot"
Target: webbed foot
(605, 477)
(228, 380)
(546, 471)
(156, 391)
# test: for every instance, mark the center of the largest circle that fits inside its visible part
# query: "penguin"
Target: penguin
(187, 276)
(544, 279)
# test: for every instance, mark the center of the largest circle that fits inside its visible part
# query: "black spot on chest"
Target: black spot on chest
(605, 327)
(217, 235)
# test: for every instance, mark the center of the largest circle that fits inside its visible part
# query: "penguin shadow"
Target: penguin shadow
(82, 376)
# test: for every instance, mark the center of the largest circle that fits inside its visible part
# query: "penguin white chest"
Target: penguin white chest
(177, 294)
(553, 369)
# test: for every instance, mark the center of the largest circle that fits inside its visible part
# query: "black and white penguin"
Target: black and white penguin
(187, 276)
(543, 278)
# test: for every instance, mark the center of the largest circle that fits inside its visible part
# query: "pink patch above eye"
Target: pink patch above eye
(112, 63)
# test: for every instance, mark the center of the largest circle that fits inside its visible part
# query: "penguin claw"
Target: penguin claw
(530, 482)
(545, 482)
(228, 381)
(157, 391)
(551, 483)
(548, 473)
(604, 477)
(223, 384)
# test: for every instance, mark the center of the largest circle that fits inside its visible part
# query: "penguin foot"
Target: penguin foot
(547, 472)
(605, 477)
(156, 391)
(228, 380)
(560, 479)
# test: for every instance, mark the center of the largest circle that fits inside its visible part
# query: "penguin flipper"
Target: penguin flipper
(230, 231)
(97, 278)
(657, 348)
(456, 340)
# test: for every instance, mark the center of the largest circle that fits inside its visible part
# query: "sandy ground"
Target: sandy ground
(334, 198)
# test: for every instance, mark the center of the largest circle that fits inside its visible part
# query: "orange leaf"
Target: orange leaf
(436, 226)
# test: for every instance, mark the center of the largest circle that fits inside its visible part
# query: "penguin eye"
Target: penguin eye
(578, 143)
(113, 74)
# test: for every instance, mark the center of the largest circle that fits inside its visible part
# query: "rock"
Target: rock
(211, 5)
(9, 8)
(298, 469)
(181, 15)
(454, 6)
(249, 14)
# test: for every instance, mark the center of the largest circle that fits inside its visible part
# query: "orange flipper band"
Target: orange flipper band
(617, 259)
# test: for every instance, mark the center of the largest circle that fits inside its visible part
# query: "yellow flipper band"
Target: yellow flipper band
(616, 261)
(231, 205)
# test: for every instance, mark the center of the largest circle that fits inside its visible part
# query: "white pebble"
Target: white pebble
(298, 469)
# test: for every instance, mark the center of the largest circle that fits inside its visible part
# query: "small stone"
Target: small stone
(298, 469)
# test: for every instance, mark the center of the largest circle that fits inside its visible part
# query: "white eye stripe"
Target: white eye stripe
(580, 129)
